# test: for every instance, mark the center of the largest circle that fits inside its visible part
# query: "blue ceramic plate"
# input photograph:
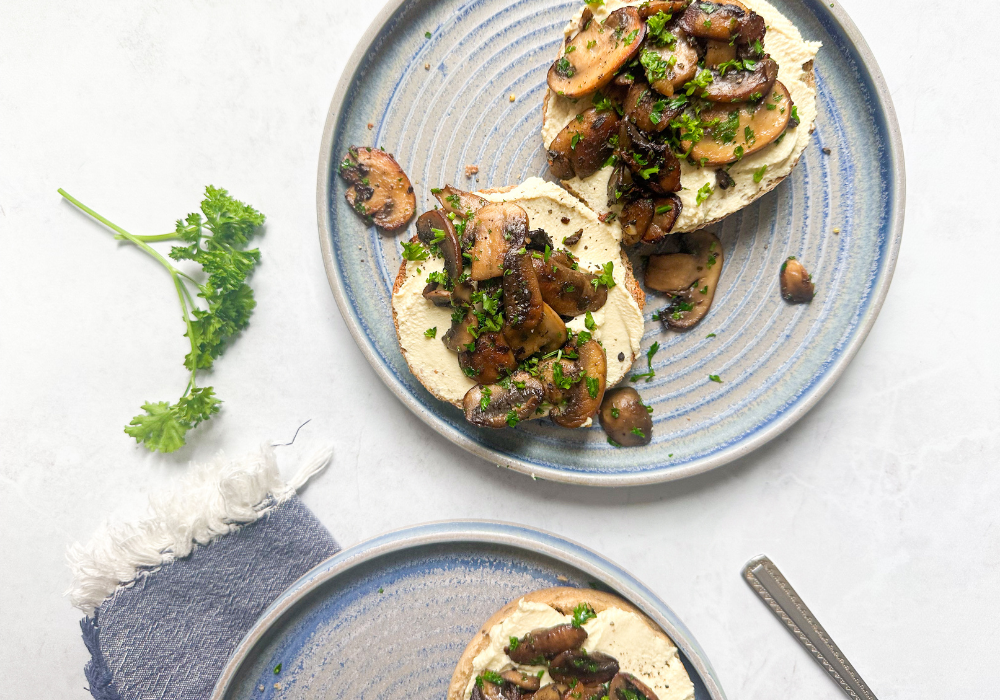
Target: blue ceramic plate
(442, 101)
(390, 618)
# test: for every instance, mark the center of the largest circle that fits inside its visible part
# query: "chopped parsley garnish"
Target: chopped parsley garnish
(565, 68)
(427, 35)
(758, 174)
(484, 402)
(656, 67)
(700, 82)
(656, 115)
(664, 208)
(613, 443)
(413, 250)
(589, 322)
(593, 386)
(650, 373)
(582, 613)
(570, 49)
(656, 30)
(431, 332)
(715, 378)
(710, 335)
(631, 37)
(705, 192)
(513, 643)
(749, 136)
(725, 132)
(512, 418)
(605, 277)
(575, 140)
(490, 677)
(638, 431)
(738, 153)
(277, 669)
(615, 412)
(795, 114)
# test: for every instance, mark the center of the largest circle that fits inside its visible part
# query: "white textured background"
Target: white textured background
(881, 505)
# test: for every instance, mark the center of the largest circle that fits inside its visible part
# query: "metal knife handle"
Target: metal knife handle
(773, 588)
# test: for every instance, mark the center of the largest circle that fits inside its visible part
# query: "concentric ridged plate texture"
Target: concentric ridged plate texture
(390, 618)
(443, 102)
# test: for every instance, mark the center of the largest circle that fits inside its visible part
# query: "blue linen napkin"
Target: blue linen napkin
(167, 631)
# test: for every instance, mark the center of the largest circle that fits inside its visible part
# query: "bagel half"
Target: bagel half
(667, 669)
(795, 57)
(437, 368)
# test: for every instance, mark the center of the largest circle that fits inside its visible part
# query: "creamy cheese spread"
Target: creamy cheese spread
(786, 46)
(619, 323)
(639, 650)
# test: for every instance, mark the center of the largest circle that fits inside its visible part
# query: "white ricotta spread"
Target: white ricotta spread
(785, 44)
(619, 321)
(639, 650)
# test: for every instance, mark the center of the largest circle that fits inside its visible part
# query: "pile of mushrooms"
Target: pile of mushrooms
(509, 307)
(667, 81)
(576, 674)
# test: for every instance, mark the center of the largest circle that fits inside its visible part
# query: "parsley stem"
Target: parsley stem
(137, 240)
(154, 239)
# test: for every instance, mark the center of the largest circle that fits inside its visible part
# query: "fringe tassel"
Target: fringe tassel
(211, 500)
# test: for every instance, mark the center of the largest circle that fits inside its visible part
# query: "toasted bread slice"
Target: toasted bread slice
(563, 600)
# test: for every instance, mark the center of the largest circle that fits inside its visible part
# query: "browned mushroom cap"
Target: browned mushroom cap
(462, 333)
(669, 66)
(742, 129)
(583, 401)
(495, 229)
(582, 146)
(742, 85)
(552, 691)
(491, 358)
(612, 44)
(584, 692)
(545, 643)
(652, 163)
(620, 184)
(525, 681)
(625, 418)
(486, 690)
(459, 202)
(569, 292)
(722, 22)
(558, 375)
(548, 335)
(667, 7)
(635, 219)
(647, 109)
(522, 299)
(796, 284)
(665, 213)
(499, 405)
(461, 295)
(718, 52)
(380, 190)
(584, 667)
(437, 294)
(689, 277)
(625, 686)
(434, 228)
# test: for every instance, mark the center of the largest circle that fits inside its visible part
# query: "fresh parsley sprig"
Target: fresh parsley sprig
(216, 239)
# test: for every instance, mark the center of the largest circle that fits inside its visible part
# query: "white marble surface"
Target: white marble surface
(880, 505)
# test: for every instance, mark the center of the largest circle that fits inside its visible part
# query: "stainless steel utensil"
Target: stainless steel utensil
(773, 588)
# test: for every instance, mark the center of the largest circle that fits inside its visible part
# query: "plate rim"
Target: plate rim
(662, 473)
(529, 539)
